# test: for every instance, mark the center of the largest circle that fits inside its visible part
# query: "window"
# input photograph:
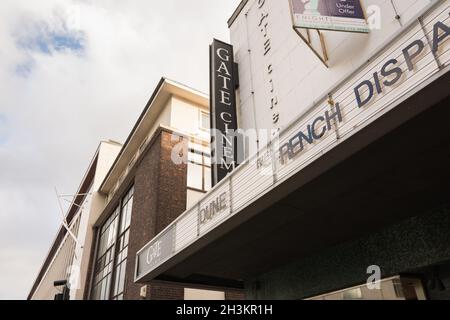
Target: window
(112, 252)
(198, 168)
(352, 294)
(195, 176)
(122, 246)
(394, 288)
(204, 120)
(104, 263)
(398, 288)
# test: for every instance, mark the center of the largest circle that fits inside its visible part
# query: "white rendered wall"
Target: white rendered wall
(193, 197)
(60, 266)
(186, 117)
(298, 77)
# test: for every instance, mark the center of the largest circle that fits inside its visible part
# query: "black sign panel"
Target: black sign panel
(223, 82)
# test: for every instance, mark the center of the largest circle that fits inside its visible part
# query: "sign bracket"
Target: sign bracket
(322, 54)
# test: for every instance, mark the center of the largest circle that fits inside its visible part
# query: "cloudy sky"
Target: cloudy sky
(73, 72)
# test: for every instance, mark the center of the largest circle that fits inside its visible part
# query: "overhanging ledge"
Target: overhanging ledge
(258, 193)
(283, 223)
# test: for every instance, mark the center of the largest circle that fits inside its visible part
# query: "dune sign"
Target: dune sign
(337, 15)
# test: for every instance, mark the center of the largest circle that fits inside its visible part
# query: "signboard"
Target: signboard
(155, 253)
(223, 82)
(389, 77)
(213, 211)
(337, 15)
(385, 78)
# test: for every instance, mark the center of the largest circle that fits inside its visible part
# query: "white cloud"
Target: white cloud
(54, 113)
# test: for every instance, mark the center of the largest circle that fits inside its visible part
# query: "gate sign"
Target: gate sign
(155, 253)
(337, 15)
(224, 80)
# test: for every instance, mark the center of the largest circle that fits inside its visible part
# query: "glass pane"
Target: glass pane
(126, 212)
(122, 277)
(195, 146)
(117, 280)
(352, 294)
(207, 179)
(104, 264)
(130, 210)
(95, 293)
(108, 286)
(123, 218)
(194, 157)
(110, 235)
(103, 290)
(195, 176)
(205, 120)
(126, 238)
(106, 261)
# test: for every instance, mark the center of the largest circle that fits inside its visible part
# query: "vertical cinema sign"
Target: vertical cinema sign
(223, 83)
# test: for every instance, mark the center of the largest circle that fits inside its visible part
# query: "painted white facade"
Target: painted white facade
(186, 117)
(309, 98)
(71, 260)
(61, 266)
(290, 73)
(176, 107)
(107, 154)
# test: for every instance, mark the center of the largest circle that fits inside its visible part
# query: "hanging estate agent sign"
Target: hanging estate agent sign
(223, 82)
(337, 15)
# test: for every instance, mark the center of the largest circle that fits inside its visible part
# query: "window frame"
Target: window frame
(203, 165)
(122, 203)
(110, 249)
(207, 114)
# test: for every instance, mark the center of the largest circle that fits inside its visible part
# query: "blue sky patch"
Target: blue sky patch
(42, 38)
(46, 41)
(62, 42)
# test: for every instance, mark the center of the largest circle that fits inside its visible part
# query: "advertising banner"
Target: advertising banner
(337, 15)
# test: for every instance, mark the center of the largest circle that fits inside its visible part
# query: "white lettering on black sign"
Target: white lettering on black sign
(223, 110)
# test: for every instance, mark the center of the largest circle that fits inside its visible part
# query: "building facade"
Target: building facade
(68, 258)
(343, 193)
(163, 168)
(346, 177)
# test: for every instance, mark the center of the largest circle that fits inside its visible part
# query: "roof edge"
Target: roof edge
(160, 86)
(236, 12)
(61, 230)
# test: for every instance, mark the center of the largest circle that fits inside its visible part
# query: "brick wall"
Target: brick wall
(159, 198)
(165, 292)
